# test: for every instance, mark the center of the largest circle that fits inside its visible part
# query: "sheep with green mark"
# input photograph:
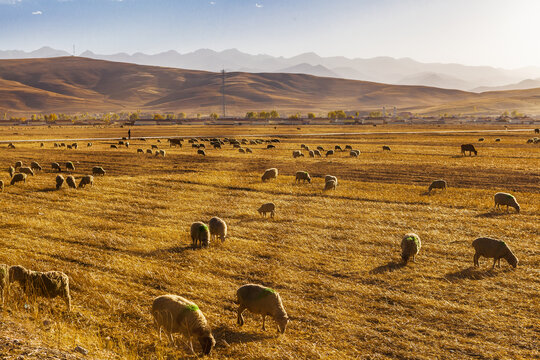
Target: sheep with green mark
(200, 235)
(410, 246)
(264, 301)
(175, 314)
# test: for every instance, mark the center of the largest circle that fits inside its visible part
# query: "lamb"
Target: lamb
(35, 166)
(267, 208)
(59, 181)
(26, 170)
(261, 300)
(200, 234)
(56, 166)
(437, 184)
(330, 185)
(201, 152)
(386, 148)
(218, 228)
(48, 284)
(18, 164)
(86, 180)
(302, 175)
(493, 248)
(470, 148)
(4, 279)
(329, 152)
(11, 171)
(410, 246)
(506, 199)
(297, 153)
(98, 170)
(176, 314)
(70, 166)
(18, 177)
(271, 173)
(70, 180)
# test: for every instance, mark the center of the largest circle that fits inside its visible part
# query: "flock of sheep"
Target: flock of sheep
(175, 314)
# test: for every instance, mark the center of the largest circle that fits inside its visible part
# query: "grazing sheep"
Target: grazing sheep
(35, 166)
(156, 153)
(70, 180)
(4, 280)
(11, 146)
(114, 147)
(140, 151)
(69, 146)
(218, 228)
(18, 164)
(317, 153)
(506, 199)
(126, 144)
(175, 142)
(70, 166)
(348, 147)
(26, 170)
(302, 175)
(271, 173)
(98, 170)
(330, 177)
(242, 151)
(249, 151)
(162, 153)
(437, 184)
(48, 284)
(75, 145)
(330, 185)
(89, 145)
(354, 153)
(386, 148)
(149, 151)
(120, 143)
(200, 234)
(1, 185)
(56, 166)
(320, 148)
(201, 152)
(497, 139)
(302, 146)
(470, 148)
(175, 314)
(41, 145)
(261, 300)
(537, 131)
(410, 246)
(62, 145)
(270, 146)
(59, 181)
(329, 152)
(311, 153)
(493, 248)
(56, 145)
(481, 139)
(297, 153)
(154, 146)
(86, 180)
(267, 208)
(18, 178)
(337, 147)
(11, 171)
(530, 141)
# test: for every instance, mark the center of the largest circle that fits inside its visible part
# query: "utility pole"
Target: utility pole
(223, 92)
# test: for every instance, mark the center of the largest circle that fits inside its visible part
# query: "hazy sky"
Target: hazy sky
(502, 33)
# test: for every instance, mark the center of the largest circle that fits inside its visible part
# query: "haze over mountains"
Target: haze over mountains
(403, 71)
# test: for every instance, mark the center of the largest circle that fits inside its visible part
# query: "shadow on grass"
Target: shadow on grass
(239, 335)
(491, 214)
(471, 273)
(171, 250)
(391, 266)
(47, 189)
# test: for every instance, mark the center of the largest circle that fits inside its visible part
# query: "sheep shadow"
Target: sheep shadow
(232, 336)
(425, 193)
(50, 189)
(171, 250)
(491, 214)
(391, 266)
(470, 273)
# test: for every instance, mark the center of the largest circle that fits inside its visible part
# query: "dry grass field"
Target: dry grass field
(334, 256)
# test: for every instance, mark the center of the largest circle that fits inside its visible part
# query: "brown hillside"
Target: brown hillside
(70, 84)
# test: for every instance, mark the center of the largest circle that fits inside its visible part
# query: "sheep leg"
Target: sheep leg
(413, 258)
(264, 320)
(239, 318)
(475, 260)
(494, 261)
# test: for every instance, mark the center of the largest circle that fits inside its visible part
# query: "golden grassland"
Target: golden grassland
(334, 257)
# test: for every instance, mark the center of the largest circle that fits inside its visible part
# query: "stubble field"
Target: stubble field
(334, 256)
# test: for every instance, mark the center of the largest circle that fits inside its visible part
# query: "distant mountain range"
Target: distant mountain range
(77, 84)
(403, 71)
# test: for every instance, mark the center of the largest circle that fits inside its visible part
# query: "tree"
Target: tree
(158, 117)
(311, 115)
(182, 115)
(274, 114)
(214, 116)
(251, 115)
(134, 117)
(341, 114)
(375, 114)
(332, 115)
(296, 116)
(170, 117)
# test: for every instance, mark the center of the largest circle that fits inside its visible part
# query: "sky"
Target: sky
(500, 33)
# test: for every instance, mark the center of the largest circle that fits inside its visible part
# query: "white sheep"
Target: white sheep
(330, 185)
(98, 170)
(175, 314)
(264, 301)
(506, 199)
(59, 181)
(48, 284)
(56, 166)
(26, 170)
(311, 153)
(410, 246)
(330, 177)
(86, 180)
(218, 228)
(11, 171)
(200, 234)
(493, 248)
(271, 173)
(18, 177)
(267, 208)
(70, 180)
(18, 164)
(34, 165)
(303, 176)
(70, 166)
(297, 153)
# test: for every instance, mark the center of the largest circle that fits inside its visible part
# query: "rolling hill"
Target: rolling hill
(75, 84)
